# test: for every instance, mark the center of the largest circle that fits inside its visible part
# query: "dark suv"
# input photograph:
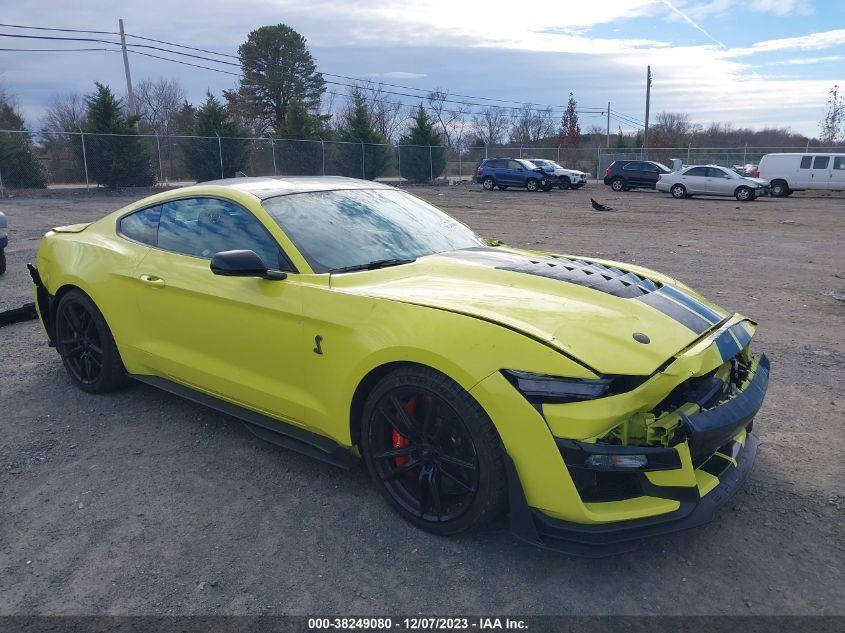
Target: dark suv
(511, 172)
(633, 174)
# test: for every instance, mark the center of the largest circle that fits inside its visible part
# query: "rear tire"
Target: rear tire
(488, 183)
(617, 184)
(2, 261)
(779, 189)
(86, 346)
(564, 182)
(449, 476)
(678, 191)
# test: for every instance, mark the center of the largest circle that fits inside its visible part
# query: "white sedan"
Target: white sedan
(565, 178)
(711, 180)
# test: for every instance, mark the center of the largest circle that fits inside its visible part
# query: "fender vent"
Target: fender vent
(609, 279)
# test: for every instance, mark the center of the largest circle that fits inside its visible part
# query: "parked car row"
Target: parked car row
(533, 174)
(777, 174)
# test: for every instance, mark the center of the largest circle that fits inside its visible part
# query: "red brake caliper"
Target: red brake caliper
(400, 441)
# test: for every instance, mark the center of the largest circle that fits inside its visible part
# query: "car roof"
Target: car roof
(272, 186)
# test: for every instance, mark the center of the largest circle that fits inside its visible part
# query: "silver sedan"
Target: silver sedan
(711, 180)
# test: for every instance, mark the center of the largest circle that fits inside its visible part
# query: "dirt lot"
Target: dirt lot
(138, 502)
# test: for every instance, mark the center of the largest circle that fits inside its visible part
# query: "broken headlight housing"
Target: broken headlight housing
(545, 389)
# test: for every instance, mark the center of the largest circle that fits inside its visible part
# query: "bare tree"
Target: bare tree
(490, 125)
(532, 125)
(451, 118)
(674, 129)
(832, 127)
(159, 102)
(388, 114)
(65, 113)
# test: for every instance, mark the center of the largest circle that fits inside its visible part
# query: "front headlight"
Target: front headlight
(545, 389)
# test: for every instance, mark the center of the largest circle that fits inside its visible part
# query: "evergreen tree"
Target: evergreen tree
(202, 156)
(422, 157)
(570, 130)
(362, 141)
(277, 69)
(297, 152)
(114, 161)
(19, 166)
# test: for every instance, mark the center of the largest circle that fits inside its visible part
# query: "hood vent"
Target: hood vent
(609, 279)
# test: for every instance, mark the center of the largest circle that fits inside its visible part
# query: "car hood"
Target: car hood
(587, 309)
(569, 172)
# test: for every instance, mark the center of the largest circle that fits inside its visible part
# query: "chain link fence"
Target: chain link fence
(82, 160)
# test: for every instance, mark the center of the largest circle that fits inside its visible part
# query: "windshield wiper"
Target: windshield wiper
(379, 263)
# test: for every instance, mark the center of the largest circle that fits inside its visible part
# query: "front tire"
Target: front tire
(744, 194)
(86, 345)
(678, 191)
(617, 184)
(532, 184)
(433, 452)
(488, 183)
(564, 182)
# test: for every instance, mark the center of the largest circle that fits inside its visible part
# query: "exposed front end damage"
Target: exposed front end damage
(658, 468)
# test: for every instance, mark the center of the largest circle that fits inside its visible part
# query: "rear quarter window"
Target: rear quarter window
(141, 226)
(806, 162)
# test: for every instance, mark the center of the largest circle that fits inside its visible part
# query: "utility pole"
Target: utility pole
(647, 105)
(130, 95)
(608, 124)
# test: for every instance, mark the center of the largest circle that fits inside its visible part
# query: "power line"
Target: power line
(45, 28)
(543, 108)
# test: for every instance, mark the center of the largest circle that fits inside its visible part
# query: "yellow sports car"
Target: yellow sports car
(597, 403)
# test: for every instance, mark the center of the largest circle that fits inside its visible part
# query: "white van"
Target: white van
(795, 172)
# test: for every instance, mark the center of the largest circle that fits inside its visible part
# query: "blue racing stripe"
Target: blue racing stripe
(741, 335)
(692, 304)
(728, 347)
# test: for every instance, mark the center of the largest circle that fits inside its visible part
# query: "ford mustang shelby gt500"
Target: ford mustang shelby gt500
(597, 403)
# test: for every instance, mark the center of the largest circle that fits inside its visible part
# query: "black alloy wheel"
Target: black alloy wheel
(86, 345)
(433, 451)
(79, 343)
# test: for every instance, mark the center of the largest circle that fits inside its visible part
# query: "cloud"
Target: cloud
(809, 42)
(399, 74)
(807, 61)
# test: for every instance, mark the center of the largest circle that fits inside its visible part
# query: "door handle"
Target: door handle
(152, 280)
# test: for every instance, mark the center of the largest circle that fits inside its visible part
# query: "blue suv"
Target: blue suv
(511, 172)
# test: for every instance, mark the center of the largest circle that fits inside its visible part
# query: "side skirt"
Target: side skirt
(263, 426)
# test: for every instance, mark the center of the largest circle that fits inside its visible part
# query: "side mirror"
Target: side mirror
(242, 264)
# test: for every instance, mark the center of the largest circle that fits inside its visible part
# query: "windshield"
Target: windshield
(341, 229)
(663, 167)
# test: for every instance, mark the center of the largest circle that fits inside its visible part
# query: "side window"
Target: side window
(202, 227)
(632, 166)
(713, 172)
(839, 162)
(806, 161)
(821, 162)
(696, 171)
(498, 164)
(141, 226)
(512, 164)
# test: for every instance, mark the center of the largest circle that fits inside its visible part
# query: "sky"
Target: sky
(752, 63)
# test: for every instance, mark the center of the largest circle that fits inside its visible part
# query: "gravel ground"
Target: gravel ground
(141, 503)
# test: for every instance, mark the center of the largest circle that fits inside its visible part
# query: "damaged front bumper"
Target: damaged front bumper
(673, 487)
